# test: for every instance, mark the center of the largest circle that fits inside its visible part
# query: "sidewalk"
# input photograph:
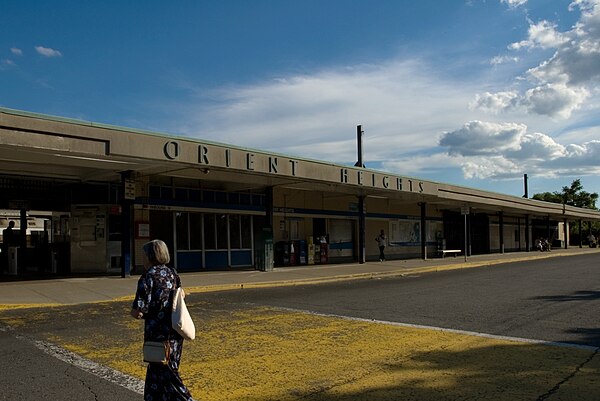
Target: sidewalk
(94, 289)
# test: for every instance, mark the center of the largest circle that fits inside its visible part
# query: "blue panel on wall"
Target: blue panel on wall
(241, 258)
(341, 245)
(189, 261)
(216, 260)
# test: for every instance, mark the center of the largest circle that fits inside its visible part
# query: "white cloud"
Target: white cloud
(16, 51)
(483, 138)
(514, 3)
(562, 83)
(47, 52)
(506, 150)
(543, 35)
(495, 102)
(503, 60)
(554, 99)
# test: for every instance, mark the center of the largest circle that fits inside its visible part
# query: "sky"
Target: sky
(474, 93)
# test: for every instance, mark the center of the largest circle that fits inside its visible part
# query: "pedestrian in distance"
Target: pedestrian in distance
(8, 235)
(381, 242)
(153, 303)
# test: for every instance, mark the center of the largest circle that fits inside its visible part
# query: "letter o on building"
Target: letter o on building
(171, 150)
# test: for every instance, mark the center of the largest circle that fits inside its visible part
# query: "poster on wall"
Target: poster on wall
(142, 230)
(405, 232)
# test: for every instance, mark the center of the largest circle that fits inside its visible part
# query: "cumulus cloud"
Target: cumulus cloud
(16, 51)
(562, 83)
(554, 99)
(47, 52)
(483, 138)
(514, 3)
(543, 35)
(505, 150)
(495, 102)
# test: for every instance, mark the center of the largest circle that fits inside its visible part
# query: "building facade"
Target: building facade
(90, 195)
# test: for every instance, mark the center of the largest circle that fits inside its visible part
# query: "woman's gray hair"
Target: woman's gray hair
(157, 252)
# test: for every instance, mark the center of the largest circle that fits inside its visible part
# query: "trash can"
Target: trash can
(265, 257)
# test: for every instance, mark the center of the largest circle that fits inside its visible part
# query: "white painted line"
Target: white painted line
(446, 330)
(104, 372)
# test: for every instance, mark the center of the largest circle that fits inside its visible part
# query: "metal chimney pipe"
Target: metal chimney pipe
(359, 133)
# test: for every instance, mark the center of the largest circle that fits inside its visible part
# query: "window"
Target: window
(209, 231)
(234, 231)
(246, 222)
(195, 231)
(182, 230)
(222, 231)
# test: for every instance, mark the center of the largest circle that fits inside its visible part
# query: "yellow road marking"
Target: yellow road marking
(265, 354)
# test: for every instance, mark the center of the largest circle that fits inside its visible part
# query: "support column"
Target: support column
(423, 230)
(501, 230)
(22, 241)
(361, 230)
(527, 233)
(269, 207)
(126, 222)
(580, 234)
(566, 233)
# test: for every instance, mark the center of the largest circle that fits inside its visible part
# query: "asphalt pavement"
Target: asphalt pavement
(252, 352)
(105, 288)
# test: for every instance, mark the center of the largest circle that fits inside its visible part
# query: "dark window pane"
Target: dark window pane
(181, 194)
(234, 231)
(222, 231)
(246, 230)
(154, 192)
(221, 197)
(244, 199)
(181, 226)
(195, 231)
(209, 231)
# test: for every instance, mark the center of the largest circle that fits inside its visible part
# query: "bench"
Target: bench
(453, 251)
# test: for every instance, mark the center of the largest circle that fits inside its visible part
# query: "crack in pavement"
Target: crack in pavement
(83, 383)
(554, 389)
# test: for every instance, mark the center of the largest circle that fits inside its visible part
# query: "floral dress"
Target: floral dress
(153, 299)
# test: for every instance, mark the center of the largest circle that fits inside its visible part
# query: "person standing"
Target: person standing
(152, 303)
(381, 242)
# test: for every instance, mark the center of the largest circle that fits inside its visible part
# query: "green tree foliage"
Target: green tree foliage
(573, 195)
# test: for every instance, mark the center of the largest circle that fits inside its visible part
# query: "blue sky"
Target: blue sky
(468, 92)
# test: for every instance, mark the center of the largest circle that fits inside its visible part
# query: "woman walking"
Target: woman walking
(153, 304)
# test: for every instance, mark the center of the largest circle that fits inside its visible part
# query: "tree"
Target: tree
(572, 196)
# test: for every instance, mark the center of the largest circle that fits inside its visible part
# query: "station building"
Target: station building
(84, 197)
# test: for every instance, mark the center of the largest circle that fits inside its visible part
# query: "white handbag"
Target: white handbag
(180, 318)
(156, 352)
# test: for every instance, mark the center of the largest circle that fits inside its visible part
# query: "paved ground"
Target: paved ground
(253, 353)
(78, 290)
